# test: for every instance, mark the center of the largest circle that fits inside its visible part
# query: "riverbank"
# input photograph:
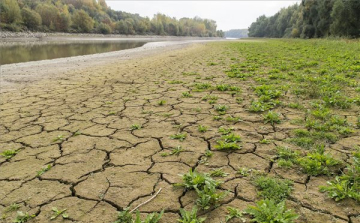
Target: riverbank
(40, 36)
(19, 75)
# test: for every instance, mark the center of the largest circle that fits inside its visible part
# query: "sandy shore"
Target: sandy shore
(19, 75)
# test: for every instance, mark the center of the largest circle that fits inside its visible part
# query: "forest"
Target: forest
(94, 16)
(311, 19)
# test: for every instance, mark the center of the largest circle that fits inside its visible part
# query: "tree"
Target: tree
(10, 12)
(49, 15)
(82, 21)
(31, 19)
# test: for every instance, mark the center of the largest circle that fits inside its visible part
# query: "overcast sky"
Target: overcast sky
(227, 14)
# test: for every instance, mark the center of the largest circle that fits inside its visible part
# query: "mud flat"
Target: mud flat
(96, 134)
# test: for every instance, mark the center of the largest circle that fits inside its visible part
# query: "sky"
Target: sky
(227, 14)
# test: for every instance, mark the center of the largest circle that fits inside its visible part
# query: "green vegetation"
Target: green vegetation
(315, 162)
(273, 188)
(218, 173)
(174, 151)
(135, 127)
(57, 213)
(190, 216)
(8, 154)
(311, 19)
(272, 118)
(233, 213)
(126, 217)
(348, 184)
(180, 136)
(22, 217)
(205, 187)
(202, 128)
(161, 102)
(271, 211)
(92, 16)
(43, 170)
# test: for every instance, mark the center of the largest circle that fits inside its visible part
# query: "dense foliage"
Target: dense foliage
(94, 16)
(236, 33)
(311, 19)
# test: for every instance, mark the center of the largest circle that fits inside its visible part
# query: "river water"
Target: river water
(17, 52)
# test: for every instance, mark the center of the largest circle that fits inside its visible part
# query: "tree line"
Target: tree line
(94, 16)
(311, 19)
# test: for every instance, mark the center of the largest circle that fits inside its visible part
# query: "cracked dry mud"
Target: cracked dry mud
(80, 124)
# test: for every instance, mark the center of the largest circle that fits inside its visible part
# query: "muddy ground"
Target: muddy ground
(81, 123)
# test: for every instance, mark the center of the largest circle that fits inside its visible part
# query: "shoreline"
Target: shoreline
(19, 75)
(6, 36)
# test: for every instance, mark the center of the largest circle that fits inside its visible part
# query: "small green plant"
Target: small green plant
(190, 216)
(272, 118)
(222, 145)
(125, 216)
(205, 187)
(348, 184)
(208, 196)
(112, 113)
(221, 109)
(270, 211)
(150, 218)
(231, 118)
(208, 153)
(8, 154)
(217, 118)
(161, 102)
(135, 127)
(59, 138)
(77, 133)
(22, 217)
(174, 151)
(179, 136)
(218, 173)
(273, 188)
(317, 162)
(202, 128)
(233, 213)
(225, 131)
(287, 157)
(231, 137)
(264, 141)
(186, 95)
(244, 171)
(43, 170)
(12, 207)
(57, 213)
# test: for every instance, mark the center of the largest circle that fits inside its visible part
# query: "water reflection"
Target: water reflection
(17, 52)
